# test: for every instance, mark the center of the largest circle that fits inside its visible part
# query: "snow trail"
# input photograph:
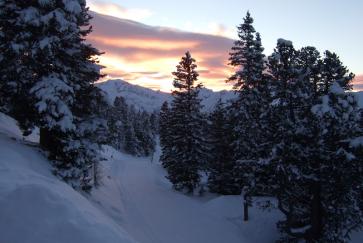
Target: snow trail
(154, 213)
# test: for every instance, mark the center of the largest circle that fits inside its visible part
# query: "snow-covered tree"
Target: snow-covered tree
(164, 123)
(221, 167)
(47, 62)
(336, 174)
(248, 110)
(312, 171)
(187, 146)
(117, 122)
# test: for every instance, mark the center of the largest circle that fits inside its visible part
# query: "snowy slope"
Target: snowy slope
(136, 201)
(35, 207)
(136, 194)
(154, 213)
(151, 100)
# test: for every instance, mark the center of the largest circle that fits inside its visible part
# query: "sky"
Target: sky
(146, 51)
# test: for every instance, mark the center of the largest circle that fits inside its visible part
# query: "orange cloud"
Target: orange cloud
(148, 55)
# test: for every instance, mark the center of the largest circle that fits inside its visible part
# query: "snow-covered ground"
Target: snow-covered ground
(36, 207)
(141, 201)
(134, 204)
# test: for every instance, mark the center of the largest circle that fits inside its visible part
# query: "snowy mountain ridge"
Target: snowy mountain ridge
(151, 100)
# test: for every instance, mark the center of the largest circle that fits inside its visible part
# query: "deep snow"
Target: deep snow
(36, 207)
(136, 201)
(143, 202)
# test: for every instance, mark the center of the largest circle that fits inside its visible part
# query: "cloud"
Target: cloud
(118, 11)
(358, 82)
(147, 55)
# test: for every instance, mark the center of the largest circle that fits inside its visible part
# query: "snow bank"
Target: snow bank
(36, 207)
(8, 127)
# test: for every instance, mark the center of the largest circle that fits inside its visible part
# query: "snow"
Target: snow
(357, 142)
(36, 207)
(335, 88)
(142, 201)
(135, 201)
(8, 127)
(50, 92)
(72, 6)
(151, 100)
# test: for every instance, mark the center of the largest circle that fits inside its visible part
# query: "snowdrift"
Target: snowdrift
(36, 207)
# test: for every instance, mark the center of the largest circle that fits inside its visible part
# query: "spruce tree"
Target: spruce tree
(164, 124)
(45, 61)
(187, 147)
(249, 109)
(334, 71)
(311, 158)
(336, 190)
(221, 176)
(246, 56)
(117, 119)
(131, 144)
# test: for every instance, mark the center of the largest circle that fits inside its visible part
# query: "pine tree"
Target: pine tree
(221, 167)
(164, 123)
(248, 110)
(311, 158)
(45, 61)
(117, 119)
(334, 71)
(144, 134)
(165, 136)
(293, 135)
(186, 151)
(131, 144)
(247, 56)
(337, 180)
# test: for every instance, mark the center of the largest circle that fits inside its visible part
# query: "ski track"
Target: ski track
(154, 213)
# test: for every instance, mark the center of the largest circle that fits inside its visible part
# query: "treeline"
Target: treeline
(294, 133)
(131, 131)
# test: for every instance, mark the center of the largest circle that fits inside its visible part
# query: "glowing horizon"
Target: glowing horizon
(147, 55)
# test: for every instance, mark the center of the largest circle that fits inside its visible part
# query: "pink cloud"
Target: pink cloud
(358, 82)
(138, 52)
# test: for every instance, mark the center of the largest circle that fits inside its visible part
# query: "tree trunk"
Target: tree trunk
(316, 213)
(245, 207)
(45, 138)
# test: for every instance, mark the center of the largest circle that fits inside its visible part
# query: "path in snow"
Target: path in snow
(152, 212)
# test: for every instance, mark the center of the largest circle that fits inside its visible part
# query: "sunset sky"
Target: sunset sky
(146, 43)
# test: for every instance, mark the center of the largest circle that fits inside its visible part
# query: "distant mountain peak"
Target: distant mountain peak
(151, 100)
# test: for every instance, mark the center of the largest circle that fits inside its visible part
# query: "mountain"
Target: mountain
(151, 100)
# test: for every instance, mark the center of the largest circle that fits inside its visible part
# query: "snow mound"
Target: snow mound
(8, 127)
(36, 207)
